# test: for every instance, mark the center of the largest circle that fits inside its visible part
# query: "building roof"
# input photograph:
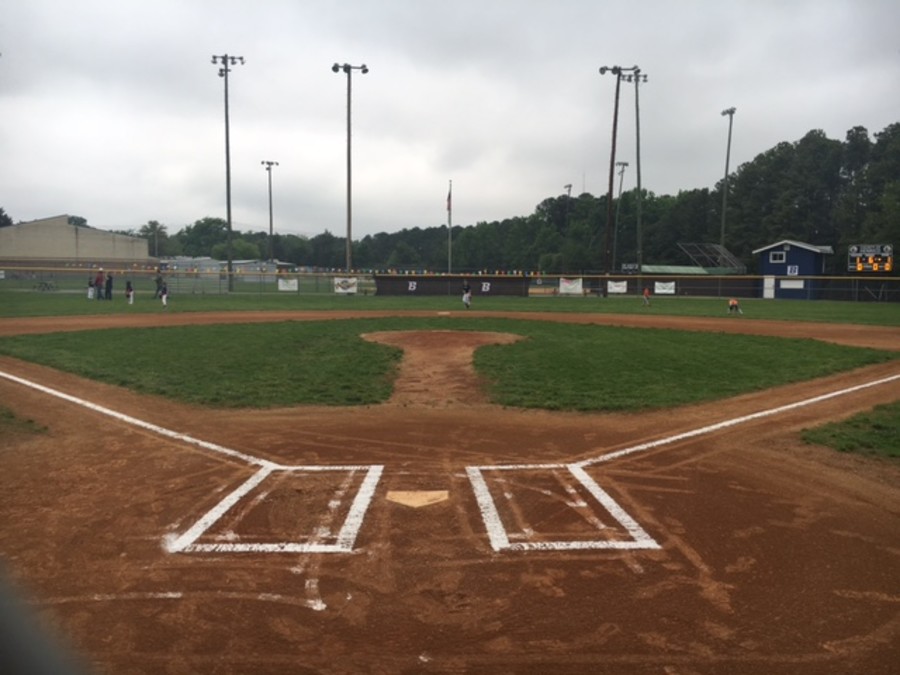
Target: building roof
(673, 269)
(827, 250)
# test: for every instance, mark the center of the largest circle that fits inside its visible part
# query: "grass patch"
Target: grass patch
(874, 433)
(560, 367)
(26, 303)
(14, 426)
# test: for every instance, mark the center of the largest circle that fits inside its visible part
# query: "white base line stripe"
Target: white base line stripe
(500, 538)
(185, 541)
(734, 422)
(162, 431)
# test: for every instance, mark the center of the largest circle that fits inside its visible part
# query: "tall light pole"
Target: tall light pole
(568, 187)
(347, 68)
(225, 61)
(621, 166)
(450, 228)
(638, 77)
(730, 112)
(617, 71)
(269, 164)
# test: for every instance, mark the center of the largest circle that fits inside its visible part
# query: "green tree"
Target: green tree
(241, 249)
(328, 251)
(156, 234)
(5, 220)
(200, 238)
(404, 257)
(855, 197)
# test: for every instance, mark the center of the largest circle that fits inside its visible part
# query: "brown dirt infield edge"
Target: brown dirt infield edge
(774, 556)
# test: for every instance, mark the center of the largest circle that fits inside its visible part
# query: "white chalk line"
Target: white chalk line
(128, 419)
(500, 537)
(497, 533)
(185, 542)
(736, 421)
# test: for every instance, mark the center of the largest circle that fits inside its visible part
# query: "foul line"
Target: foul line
(128, 419)
(499, 536)
(185, 542)
(735, 421)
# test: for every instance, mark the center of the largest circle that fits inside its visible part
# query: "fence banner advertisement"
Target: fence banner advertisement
(616, 287)
(570, 286)
(288, 285)
(345, 285)
(664, 288)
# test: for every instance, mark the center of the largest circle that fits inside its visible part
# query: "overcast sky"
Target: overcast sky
(112, 110)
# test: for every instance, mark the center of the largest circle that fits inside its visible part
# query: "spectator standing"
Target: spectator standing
(98, 284)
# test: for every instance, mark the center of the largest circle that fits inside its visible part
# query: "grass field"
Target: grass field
(873, 433)
(21, 303)
(561, 367)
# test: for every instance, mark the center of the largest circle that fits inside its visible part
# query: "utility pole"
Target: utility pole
(225, 60)
(730, 112)
(348, 69)
(269, 164)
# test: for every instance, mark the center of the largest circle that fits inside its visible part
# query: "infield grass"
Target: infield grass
(559, 366)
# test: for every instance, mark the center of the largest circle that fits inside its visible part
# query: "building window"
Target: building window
(777, 257)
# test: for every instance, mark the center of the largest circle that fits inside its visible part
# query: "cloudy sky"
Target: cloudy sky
(112, 110)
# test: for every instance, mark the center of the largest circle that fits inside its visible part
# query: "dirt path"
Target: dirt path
(762, 554)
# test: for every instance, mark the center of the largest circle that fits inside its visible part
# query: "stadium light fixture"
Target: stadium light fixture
(269, 164)
(225, 61)
(348, 69)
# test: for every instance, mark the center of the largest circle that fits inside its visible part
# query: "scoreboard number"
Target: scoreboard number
(870, 258)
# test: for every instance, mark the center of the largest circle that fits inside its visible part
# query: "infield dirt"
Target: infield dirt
(772, 556)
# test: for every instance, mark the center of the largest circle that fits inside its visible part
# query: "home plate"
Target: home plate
(417, 498)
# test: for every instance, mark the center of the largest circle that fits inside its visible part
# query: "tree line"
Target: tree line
(816, 190)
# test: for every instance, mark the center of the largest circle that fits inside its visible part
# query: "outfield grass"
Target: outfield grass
(559, 366)
(21, 303)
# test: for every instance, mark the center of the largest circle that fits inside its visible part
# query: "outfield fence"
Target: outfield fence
(75, 279)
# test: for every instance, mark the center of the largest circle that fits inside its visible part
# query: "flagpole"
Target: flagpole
(450, 229)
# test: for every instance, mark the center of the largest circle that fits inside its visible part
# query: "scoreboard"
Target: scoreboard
(870, 258)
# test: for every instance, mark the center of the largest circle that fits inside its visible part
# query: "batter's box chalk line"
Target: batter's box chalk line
(500, 535)
(343, 540)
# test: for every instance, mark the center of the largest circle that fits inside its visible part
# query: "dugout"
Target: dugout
(451, 284)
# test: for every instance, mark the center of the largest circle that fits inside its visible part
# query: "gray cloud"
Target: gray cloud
(113, 111)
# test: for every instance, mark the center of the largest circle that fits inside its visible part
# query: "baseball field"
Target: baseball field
(472, 495)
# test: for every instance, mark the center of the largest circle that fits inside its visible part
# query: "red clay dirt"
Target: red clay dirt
(768, 556)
